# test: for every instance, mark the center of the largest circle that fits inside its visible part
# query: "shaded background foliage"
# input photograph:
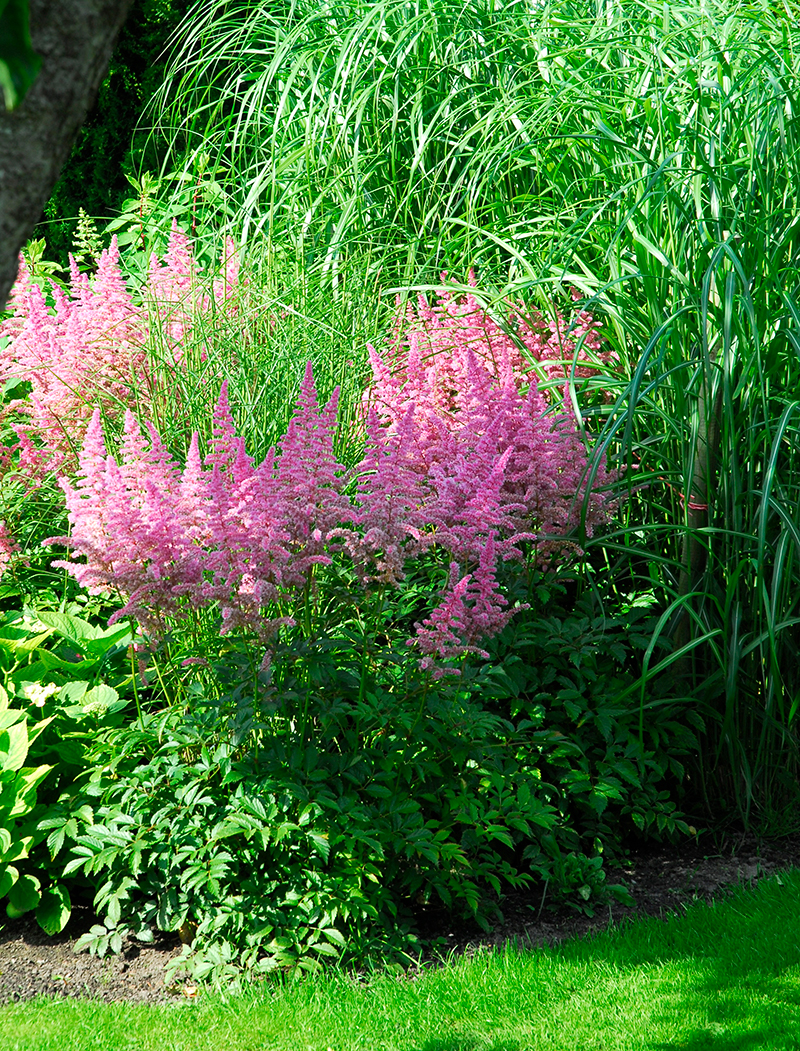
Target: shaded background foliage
(112, 143)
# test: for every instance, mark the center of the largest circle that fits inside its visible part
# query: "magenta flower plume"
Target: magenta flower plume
(440, 636)
(89, 351)
(309, 476)
(391, 500)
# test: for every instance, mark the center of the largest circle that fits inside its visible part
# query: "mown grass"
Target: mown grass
(723, 977)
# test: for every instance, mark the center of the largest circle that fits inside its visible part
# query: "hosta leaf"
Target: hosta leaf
(54, 909)
(18, 849)
(8, 877)
(26, 894)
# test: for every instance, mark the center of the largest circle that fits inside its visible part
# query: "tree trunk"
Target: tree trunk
(75, 39)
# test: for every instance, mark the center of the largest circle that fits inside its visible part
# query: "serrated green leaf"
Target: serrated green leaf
(74, 629)
(336, 936)
(321, 843)
(325, 948)
(99, 697)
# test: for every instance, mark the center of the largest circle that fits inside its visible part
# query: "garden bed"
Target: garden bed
(661, 881)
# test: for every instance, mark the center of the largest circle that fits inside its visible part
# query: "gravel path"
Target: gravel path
(32, 964)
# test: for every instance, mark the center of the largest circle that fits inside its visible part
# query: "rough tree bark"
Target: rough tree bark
(75, 39)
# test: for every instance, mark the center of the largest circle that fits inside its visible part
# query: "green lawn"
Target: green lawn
(723, 977)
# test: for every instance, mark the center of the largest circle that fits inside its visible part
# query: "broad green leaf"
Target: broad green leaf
(321, 843)
(99, 698)
(13, 746)
(89, 637)
(119, 635)
(26, 894)
(18, 849)
(34, 729)
(73, 692)
(8, 877)
(26, 643)
(27, 780)
(10, 717)
(54, 909)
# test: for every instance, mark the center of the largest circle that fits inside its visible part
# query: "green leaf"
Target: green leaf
(100, 698)
(321, 843)
(27, 780)
(13, 746)
(25, 895)
(19, 63)
(325, 948)
(25, 644)
(10, 718)
(336, 936)
(54, 910)
(8, 877)
(18, 849)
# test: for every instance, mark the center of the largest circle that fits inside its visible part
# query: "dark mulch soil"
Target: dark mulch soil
(661, 882)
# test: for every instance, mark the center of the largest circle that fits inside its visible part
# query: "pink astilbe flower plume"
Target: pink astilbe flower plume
(391, 516)
(473, 608)
(310, 478)
(440, 636)
(470, 412)
(89, 347)
(89, 351)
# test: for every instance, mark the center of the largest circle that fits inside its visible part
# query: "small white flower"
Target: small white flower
(36, 694)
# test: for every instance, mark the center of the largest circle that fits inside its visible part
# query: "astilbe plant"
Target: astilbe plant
(89, 348)
(458, 383)
(222, 531)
